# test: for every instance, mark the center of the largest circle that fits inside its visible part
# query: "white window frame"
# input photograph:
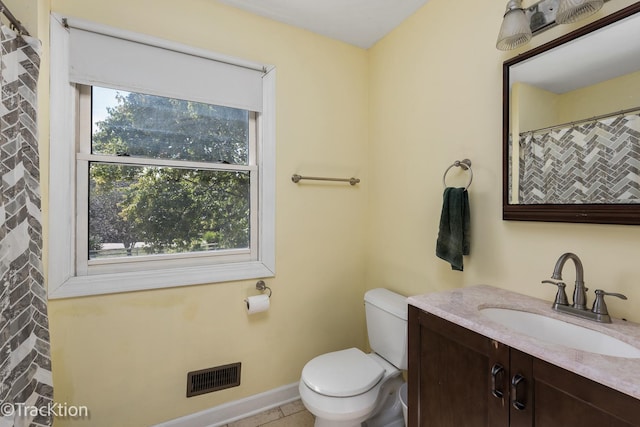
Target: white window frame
(64, 278)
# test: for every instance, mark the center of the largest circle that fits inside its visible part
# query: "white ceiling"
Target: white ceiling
(605, 54)
(357, 22)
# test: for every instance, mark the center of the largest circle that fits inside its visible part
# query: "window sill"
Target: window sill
(144, 280)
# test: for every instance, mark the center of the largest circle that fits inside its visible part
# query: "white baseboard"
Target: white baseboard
(238, 409)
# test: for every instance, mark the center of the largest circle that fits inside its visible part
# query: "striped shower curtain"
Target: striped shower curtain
(594, 162)
(26, 388)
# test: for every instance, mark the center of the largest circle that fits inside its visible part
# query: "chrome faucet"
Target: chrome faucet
(579, 292)
(599, 312)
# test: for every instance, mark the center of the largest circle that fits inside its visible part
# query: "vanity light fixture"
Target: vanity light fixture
(519, 25)
(515, 29)
(574, 10)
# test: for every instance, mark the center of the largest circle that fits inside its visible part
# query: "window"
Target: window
(162, 164)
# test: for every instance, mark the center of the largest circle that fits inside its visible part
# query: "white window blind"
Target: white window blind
(121, 60)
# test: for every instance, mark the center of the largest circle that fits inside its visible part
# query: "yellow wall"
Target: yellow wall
(537, 107)
(126, 356)
(436, 97)
(396, 116)
(609, 96)
(531, 108)
(24, 11)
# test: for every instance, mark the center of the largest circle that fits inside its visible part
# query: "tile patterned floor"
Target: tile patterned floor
(292, 414)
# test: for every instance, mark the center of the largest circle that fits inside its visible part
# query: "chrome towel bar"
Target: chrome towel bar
(297, 178)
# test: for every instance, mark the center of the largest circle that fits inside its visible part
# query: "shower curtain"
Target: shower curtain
(594, 162)
(26, 387)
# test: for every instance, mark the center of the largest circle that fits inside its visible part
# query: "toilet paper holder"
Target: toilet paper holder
(261, 286)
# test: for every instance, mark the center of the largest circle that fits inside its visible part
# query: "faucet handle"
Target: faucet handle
(561, 295)
(600, 307)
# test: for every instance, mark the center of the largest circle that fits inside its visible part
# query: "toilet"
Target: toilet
(349, 388)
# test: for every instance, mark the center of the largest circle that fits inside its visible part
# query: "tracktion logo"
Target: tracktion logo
(53, 409)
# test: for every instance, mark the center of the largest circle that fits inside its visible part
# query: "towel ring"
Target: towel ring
(464, 164)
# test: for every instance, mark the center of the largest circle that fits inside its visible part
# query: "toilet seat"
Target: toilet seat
(354, 408)
(342, 373)
(351, 409)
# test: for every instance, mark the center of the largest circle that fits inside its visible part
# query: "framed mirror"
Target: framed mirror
(571, 126)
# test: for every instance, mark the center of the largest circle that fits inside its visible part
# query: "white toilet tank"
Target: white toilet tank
(386, 314)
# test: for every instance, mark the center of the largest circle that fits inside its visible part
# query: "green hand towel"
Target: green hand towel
(453, 235)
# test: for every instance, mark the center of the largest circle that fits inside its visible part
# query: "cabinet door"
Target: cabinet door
(563, 398)
(450, 375)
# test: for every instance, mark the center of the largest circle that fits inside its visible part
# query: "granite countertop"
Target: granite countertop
(461, 306)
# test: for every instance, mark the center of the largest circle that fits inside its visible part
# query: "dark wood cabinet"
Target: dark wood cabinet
(448, 375)
(458, 377)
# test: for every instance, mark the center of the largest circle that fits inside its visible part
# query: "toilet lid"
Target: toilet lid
(342, 373)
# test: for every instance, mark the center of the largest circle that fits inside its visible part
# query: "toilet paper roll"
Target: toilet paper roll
(257, 303)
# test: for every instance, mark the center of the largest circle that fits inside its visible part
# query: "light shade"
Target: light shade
(574, 10)
(515, 30)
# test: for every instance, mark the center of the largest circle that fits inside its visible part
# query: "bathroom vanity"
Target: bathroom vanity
(465, 369)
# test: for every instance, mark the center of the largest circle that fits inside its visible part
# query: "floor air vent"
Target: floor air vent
(213, 379)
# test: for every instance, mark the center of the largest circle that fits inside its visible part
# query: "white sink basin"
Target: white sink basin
(556, 331)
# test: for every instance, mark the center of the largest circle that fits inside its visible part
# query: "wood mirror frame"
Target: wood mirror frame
(579, 213)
